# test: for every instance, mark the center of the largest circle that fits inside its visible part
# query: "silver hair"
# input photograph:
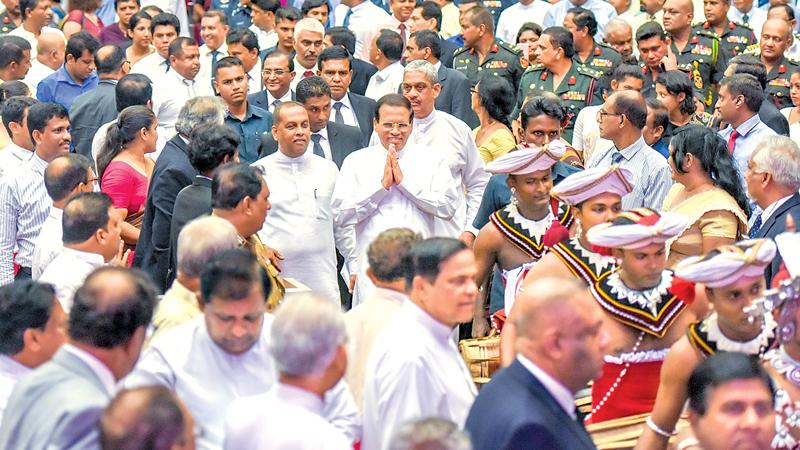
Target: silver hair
(778, 156)
(433, 433)
(308, 24)
(425, 68)
(199, 110)
(307, 331)
(616, 23)
(200, 240)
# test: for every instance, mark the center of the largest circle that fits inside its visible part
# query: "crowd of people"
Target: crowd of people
(264, 224)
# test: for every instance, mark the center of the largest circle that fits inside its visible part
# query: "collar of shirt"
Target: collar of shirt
(103, 373)
(62, 75)
(10, 366)
(255, 72)
(37, 164)
(741, 13)
(770, 210)
(363, 7)
(179, 77)
(282, 158)
(322, 132)
(345, 101)
(439, 330)
(205, 51)
(93, 259)
(249, 114)
(437, 66)
(299, 397)
(18, 152)
(747, 126)
(394, 23)
(562, 395)
(388, 71)
(390, 295)
(287, 97)
(629, 151)
(184, 295)
(56, 213)
(299, 69)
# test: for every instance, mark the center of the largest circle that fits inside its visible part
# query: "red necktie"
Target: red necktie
(402, 28)
(308, 73)
(732, 141)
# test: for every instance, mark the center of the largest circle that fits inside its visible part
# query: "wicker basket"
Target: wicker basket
(482, 356)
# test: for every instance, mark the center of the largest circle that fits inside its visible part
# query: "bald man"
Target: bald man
(619, 35)
(560, 348)
(696, 52)
(46, 58)
(776, 38)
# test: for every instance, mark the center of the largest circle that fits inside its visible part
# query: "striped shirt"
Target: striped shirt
(24, 206)
(651, 172)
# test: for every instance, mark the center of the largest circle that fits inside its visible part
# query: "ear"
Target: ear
(521, 133)
(617, 253)
(614, 85)
(37, 137)
(30, 340)
(371, 276)
(275, 132)
(418, 283)
(437, 89)
(247, 203)
(658, 131)
(510, 182)
(15, 127)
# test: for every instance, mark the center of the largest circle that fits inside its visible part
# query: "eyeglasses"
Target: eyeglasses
(276, 72)
(389, 126)
(602, 114)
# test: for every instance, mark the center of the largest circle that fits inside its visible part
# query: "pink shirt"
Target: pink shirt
(126, 186)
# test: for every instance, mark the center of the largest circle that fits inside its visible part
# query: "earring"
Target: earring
(514, 199)
(578, 228)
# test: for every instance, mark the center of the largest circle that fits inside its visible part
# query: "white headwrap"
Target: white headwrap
(729, 263)
(646, 227)
(589, 183)
(528, 159)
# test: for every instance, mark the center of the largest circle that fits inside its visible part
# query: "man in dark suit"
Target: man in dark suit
(455, 97)
(428, 16)
(348, 108)
(529, 404)
(172, 172)
(277, 73)
(773, 179)
(768, 113)
(212, 145)
(362, 70)
(59, 404)
(328, 139)
(98, 106)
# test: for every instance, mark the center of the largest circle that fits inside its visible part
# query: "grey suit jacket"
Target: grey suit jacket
(344, 140)
(89, 112)
(455, 97)
(57, 406)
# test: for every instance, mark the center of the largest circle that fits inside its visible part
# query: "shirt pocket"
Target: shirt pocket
(322, 205)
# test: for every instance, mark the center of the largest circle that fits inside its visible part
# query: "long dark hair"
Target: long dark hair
(706, 145)
(129, 122)
(677, 82)
(497, 96)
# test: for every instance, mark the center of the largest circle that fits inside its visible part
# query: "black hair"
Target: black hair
(497, 97)
(748, 87)
(431, 10)
(268, 5)
(176, 46)
(583, 17)
(25, 5)
(165, 19)
(390, 44)
(650, 29)
(276, 52)
(13, 110)
(394, 100)
(561, 38)
(542, 105)
(288, 13)
(426, 257)
(660, 113)
(136, 18)
(39, 114)
(12, 49)
(479, 15)
(210, 144)
(156, 10)
(428, 39)
(117, 2)
(111, 61)
(721, 368)
(80, 42)
(677, 82)
(83, 215)
(60, 180)
(107, 315)
(233, 182)
(243, 36)
(529, 26)
(127, 127)
(228, 61)
(715, 159)
(751, 65)
(634, 108)
(311, 87)
(341, 36)
(24, 305)
(16, 88)
(789, 10)
(230, 274)
(133, 89)
(334, 53)
(624, 71)
(158, 424)
(308, 5)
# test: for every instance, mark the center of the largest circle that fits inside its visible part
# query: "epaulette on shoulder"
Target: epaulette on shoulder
(510, 47)
(460, 51)
(707, 33)
(534, 68)
(794, 61)
(754, 49)
(589, 71)
(743, 25)
(698, 24)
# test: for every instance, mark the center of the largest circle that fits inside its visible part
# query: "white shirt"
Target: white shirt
(266, 39)
(154, 66)
(10, 373)
(300, 223)
(287, 97)
(513, 17)
(101, 370)
(348, 113)
(177, 7)
(295, 420)
(67, 271)
(451, 139)
(254, 80)
(48, 244)
(359, 199)
(586, 135)
(385, 81)
(11, 157)
(755, 18)
(206, 58)
(170, 95)
(560, 393)
(414, 371)
(299, 73)
(770, 210)
(36, 73)
(362, 22)
(208, 379)
(32, 39)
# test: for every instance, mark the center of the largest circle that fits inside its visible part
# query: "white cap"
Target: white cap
(727, 264)
(589, 183)
(636, 229)
(528, 159)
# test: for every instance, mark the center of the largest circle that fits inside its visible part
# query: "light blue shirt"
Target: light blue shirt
(603, 12)
(59, 87)
(750, 134)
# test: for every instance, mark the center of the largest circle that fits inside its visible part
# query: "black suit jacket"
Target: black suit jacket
(515, 411)
(260, 99)
(773, 118)
(192, 202)
(447, 49)
(89, 112)
(171, 173)
(344, 140)
(362, 72)
(455, 97)
(775, 225)
(365, 113)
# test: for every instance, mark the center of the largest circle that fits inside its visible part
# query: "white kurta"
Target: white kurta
(385, 81)
(49, 243)
(285, 417)
(154, 66)
(414, 371)
(68, 270)
(359, 199)
(170, 95)
(207, 379)
(10, 373)
(451, 139)
(300, 223)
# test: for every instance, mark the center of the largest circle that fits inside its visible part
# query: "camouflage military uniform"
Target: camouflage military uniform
(735, 38)
(705, 63)
(778, 78)
(503, 60)
(6, 24)
(579, 88)
(603, 59)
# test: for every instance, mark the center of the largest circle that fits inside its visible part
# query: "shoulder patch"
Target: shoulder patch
(707, 34)
(742, 25)
(534, 68)
(510, 47)
(460, 50)
(588, 71)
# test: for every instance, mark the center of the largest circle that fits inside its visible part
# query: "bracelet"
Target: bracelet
(657, 430)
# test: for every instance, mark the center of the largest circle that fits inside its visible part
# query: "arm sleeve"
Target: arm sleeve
(117, 184)
(475, 180)
(433, 192)
(9, 212)
(719, 223)
(351, 203)
(660, 183)
(340, 410)
(487, 207)
(151, 370)
(164, 190)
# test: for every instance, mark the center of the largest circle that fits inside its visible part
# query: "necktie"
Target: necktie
(402, 28)
(317, 148)
(308, 73)
(166, 63)
(214, 55)
(275, 104)
(346, 22)
(732, 141)
(338, 117)
(745, 19)
(616, 158)
(190, 87)
(756, 226)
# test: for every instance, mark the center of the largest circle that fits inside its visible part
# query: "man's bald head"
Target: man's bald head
(47, 42)
(678, 15)
(545, 303)
(684, 6)
(631, 104)
(778, 27)
(65, 174)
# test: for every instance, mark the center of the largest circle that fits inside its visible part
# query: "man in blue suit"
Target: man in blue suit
(530, 404)
(773, 181)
